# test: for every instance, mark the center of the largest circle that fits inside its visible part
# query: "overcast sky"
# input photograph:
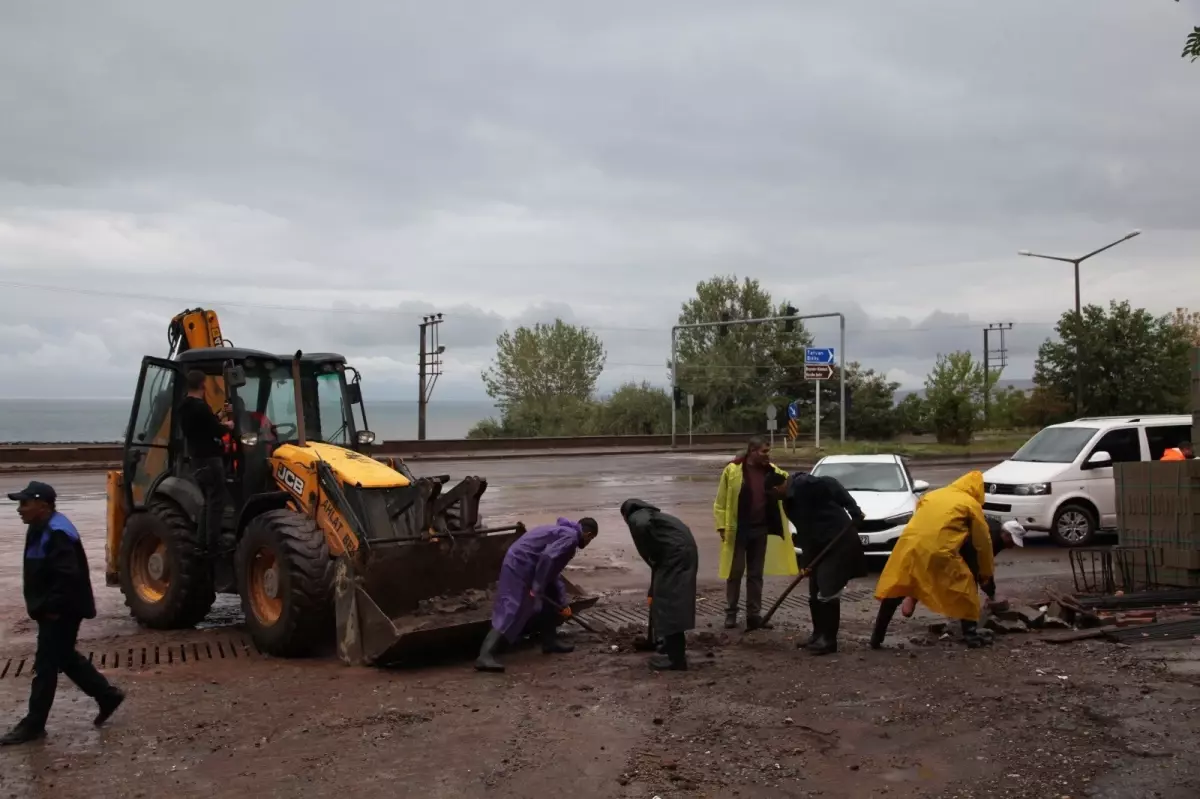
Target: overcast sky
(504, 163)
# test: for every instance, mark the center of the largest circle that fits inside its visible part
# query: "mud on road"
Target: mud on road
(752, 718)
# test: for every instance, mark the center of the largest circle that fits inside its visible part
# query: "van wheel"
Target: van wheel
(1074, 526)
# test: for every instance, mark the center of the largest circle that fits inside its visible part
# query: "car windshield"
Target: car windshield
(865, 476)
(1055, 445)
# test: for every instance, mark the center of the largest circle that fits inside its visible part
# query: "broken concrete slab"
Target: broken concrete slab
(1005, 627)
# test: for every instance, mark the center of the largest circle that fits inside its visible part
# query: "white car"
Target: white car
(884, 489)
(1061, 482)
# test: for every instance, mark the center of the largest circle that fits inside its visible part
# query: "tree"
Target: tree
(544, 361)
(1007, 408)
(1188, 324)
(734, 374)
(1131, 361)
(1046, 406)
(1191, 47)
(912, 415)
(634, 409)
(954, 393)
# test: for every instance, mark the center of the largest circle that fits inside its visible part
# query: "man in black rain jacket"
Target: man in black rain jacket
(669, 549)
(58, 596)
(822, 510)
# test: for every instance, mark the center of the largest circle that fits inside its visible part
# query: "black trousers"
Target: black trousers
(55, 653)
(210, 477)
(749, 559)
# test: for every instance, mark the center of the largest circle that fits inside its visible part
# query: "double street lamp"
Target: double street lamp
(1078, 309)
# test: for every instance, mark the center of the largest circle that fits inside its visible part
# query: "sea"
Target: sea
(104, 420)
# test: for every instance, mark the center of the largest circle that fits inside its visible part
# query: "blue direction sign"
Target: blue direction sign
(819, 355)
(793, 411)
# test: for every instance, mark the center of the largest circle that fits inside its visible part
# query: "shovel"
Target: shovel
(806, 571)
(572, 617)
(648, 644)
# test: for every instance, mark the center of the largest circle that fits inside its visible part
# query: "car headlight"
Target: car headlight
(1032, 489)
(366, 437)
(250, 439)
(897, 520)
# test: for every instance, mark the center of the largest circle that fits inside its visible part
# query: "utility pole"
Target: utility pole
(429, 367)
(1000, 355)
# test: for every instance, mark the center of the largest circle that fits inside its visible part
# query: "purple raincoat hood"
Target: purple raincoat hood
(570, 525)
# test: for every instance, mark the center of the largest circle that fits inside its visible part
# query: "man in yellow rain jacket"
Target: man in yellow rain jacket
(754, 534)
(926, 563)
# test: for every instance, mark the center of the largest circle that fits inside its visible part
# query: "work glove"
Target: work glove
(565, 613)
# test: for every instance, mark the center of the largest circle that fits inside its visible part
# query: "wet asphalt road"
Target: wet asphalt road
(532, 490)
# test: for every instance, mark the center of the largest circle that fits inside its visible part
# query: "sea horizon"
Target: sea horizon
(102, 420)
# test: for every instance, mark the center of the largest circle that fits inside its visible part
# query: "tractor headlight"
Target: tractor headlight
(249, 439)
(366, 437)
(898, 520)
(1032, 490)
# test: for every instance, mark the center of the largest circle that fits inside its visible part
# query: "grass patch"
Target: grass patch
(989, 445)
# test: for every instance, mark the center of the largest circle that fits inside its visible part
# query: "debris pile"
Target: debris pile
(472, 599)
(1121, 617)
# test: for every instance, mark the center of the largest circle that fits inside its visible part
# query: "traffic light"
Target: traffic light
(790, 325)
(678, 397)
(724, 329)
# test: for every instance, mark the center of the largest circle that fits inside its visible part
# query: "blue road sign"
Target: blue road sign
(819, 355)
(793, 411)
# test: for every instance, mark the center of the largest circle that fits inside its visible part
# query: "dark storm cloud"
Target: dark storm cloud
(508, 164)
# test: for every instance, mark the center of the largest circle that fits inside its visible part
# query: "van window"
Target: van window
(1161, 437)
(1122, 444)
(1055, 445)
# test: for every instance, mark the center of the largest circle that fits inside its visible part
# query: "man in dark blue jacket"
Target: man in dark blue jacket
(58, 596)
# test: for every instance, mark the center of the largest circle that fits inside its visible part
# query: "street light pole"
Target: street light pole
(1078, 306)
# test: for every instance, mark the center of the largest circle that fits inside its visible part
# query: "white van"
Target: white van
(1061, 482)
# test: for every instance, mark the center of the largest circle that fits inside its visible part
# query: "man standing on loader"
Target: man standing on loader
(202, 432)
(530, 591)
(58, 596)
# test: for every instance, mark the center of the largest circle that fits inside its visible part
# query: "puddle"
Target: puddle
(910, 774)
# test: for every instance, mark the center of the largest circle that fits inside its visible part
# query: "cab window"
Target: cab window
(1162, 437)
(1123, 444)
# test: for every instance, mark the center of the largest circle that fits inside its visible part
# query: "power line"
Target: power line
(420, 314)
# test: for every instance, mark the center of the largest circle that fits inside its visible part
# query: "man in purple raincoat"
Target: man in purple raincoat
(530, 591)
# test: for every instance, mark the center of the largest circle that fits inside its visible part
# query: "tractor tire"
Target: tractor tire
(285, 579)
(164, 575)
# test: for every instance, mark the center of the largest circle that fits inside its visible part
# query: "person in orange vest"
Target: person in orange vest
(1182, 452)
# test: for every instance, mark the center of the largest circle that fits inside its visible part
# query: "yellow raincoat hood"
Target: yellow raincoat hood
(926, 564)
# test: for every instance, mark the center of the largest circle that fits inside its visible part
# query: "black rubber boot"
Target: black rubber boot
(814, 611)
(673, 656)
(757, 623)
(972, 637)
(22, 734)
(551, 645)
(108, 706)
(887, 609)
(831, 620)
(487, 653)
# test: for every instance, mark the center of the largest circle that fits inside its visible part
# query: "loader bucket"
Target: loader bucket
(402, 601)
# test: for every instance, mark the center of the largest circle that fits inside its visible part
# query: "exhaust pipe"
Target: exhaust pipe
(300, 438)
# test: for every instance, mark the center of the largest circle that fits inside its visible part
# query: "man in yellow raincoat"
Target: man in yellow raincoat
(754, 536)
(926, 563)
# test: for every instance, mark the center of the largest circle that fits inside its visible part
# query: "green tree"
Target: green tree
(954, 393)
(558, 360)
(1131, 361)
(912, 415)
(1191, 47)
(1046, 406)
(634, 409)
(1007, 408)
(1188, 323)
(735, 374)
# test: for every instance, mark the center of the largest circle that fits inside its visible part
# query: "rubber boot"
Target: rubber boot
(22, 734)
(731, 620)
(757, 623)
(674, 655)
(814, 612)
(887, 609)
(971, 636)
(551, 645)
(831, 620)
(487, 653)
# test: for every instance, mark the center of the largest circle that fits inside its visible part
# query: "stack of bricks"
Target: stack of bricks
(1158, 507)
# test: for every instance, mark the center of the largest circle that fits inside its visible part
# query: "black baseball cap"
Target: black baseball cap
(35, 490)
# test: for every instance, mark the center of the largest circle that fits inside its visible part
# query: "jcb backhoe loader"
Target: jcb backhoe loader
(317, 536)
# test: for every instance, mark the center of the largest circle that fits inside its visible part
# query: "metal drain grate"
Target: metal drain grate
(794, 610)
(148, 656)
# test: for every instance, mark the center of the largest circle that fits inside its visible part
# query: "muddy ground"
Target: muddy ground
(208, 716)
